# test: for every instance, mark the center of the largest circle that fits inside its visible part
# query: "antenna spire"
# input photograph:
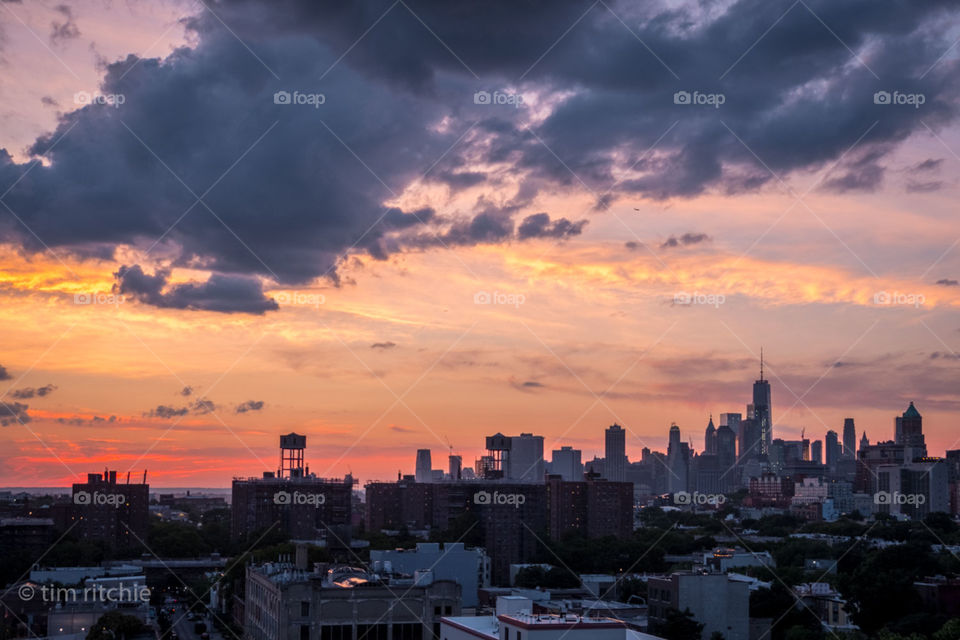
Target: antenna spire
(761, 364)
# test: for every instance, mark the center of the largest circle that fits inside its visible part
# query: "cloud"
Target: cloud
(292, 190)
(186, 391)
(30, 392)
(65, 30)
(947, 282)
(249, 405)
(930, 164)
(221, 293)
(383, 345)
(80, 421)
(685, 240)
(163, 411)
(48, 101)
(632, 245)
(13, 412)
(203, 406)
(3, 373)
(539, 226)
(398, 429)
(526, 386)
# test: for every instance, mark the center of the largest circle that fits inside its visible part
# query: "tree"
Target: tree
(680, 626)
(115, 626)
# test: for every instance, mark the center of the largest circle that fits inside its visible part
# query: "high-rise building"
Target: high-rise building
(678, 462)
(116, 514)
(726, 448)
(762, 410)
(849, 439)
(710, 438)
(526, 458)
(424, 469)
(816, 451)
(456, 467)
(615, 454)
(832, 449)
(566, 463)
(592, 507)
(911, 431)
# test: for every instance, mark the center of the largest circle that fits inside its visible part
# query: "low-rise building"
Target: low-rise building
(722, 605)
(470, 568)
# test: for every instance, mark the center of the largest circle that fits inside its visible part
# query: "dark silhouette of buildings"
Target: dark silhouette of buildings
(103, 509)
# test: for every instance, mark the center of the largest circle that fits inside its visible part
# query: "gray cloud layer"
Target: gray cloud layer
(310, 183)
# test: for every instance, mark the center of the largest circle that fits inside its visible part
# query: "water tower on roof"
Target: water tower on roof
(292, 446)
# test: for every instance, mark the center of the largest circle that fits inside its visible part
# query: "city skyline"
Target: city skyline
(220, 227)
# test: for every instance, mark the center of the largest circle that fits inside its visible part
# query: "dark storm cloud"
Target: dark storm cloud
(288, 190)
(249, 405)
(685, 240)
(30, 392)
(223, 293)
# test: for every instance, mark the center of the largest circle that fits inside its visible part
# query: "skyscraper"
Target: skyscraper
(566, 463)
(615, 463)
(911, 431)
(849, 439)
(678, 462)
(816, 451)
(762, 412)
(833, 450)
(424, 472)
(710, 438)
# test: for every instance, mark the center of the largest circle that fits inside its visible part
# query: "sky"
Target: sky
(412, 224)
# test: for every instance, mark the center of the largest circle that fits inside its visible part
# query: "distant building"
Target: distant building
(615, 454)
(106, 510)
(25, 536)
(909, 431)
(516, 458)
(722, 605)
(566, 463)
(832, 450)
(424, 468)
(913, 490)
(284, 602)
(849, 439)
(825, 602)
(762, 412)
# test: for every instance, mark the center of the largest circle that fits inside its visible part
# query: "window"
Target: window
(304, 632)
(305, 608)
(447, 610)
